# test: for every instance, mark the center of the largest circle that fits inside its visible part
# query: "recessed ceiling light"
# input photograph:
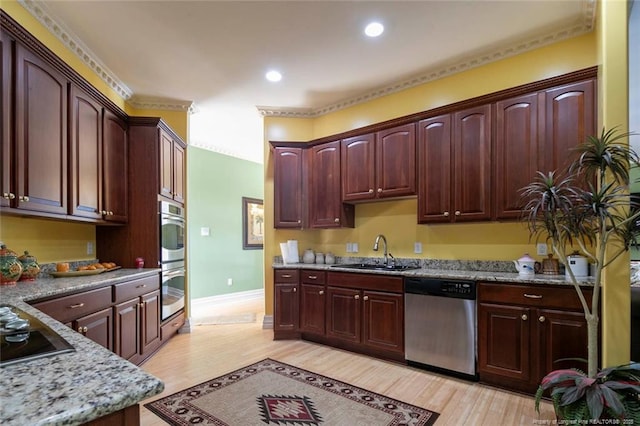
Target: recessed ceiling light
(374, 29)
(273, 76)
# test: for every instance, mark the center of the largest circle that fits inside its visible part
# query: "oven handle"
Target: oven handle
(172, 219)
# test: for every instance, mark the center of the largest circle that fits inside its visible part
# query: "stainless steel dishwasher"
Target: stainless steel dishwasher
(440, 325)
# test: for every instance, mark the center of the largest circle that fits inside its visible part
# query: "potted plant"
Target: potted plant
(587, 206)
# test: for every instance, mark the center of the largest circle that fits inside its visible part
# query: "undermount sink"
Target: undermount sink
(376, 267)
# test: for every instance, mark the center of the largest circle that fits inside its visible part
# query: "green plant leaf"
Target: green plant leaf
(595, 401)
(612, 400)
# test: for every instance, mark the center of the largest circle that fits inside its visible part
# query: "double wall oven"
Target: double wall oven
(172, 253)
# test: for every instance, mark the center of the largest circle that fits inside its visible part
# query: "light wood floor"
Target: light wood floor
(213, 350)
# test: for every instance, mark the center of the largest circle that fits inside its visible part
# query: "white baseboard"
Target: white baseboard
(267, 322)
(201, 307)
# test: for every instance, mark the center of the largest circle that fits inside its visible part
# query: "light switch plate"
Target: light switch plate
(204, 232)
(541, 249)
(354, 247)
(417, 247)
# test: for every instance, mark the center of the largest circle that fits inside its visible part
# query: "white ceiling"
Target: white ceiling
(214, 54)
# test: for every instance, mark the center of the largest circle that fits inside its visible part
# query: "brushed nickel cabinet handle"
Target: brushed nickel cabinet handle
(286, 275)
(321, 292)
(365, 298)
(445, 214)
(356, 297)
(295, 289)
(336, 220)
(379, 190)
(77, 305)
(532, 296)
(542, 318)
(524, 317)
(370, 190)
(313, 277)
(141, 286)
(458, 213)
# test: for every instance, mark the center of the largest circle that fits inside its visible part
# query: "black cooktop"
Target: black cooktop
(20, 342)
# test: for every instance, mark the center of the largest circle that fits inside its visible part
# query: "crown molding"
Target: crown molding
(150, 102)
(39, 11)
(587, 25)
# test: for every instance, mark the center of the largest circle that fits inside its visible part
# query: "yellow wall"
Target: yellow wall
(50, 240)
(613, 100)
(398, 219)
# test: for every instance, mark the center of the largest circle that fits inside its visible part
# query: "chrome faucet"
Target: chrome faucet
(375, 247)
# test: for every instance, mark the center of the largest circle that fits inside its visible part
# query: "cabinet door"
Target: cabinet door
(115, 180)
(127, 329)
(504, 343)
(287, 182)
(6, 120)
(286, 307)
(166, 164)
(434, 170)
(326, 209)
(383, 321)
(570, 116)
(150, 322)
(97, 327)
(358, 172)
(396, 161)
(516, 152)
(472, 164)
(312, 308)
(86, 155)
(178, 173)
(41, 135)
(562, 335)
(344, 314)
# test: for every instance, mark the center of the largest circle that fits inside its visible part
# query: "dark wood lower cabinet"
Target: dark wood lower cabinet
(312, 308)
(137, 327)
(523, 332)
(97, 327)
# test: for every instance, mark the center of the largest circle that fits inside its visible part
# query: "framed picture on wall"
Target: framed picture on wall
(252, 223)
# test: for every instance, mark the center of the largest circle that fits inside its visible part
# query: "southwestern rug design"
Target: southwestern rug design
(274, 393)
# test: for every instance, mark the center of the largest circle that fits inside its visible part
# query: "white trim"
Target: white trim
(202, 305)
(267, 322)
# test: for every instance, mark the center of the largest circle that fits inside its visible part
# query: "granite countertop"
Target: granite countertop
(495, 271)
(76, 387)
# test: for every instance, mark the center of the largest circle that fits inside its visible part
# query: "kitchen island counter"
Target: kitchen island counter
(70, 388)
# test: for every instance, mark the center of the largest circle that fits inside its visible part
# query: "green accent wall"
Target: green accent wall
(216, 184)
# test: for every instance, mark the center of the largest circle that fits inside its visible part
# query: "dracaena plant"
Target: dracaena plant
(587, 206)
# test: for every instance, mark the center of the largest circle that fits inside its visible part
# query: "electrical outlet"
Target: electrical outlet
(417, 247)
(204, 232)
(541, 249)
(354, 247)
(229, 281)
(89, 247)
(349, 248)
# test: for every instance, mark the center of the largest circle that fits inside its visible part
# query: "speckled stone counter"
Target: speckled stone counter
(71, 388)
(466, 270)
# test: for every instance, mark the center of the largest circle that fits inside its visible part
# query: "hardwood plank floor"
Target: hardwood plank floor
(213, 350)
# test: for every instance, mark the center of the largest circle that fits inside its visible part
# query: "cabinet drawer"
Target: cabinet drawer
(171, 327)
(313, 277)
(366, 281)
(547, 296)
(135, 288)
(286, 275)
(69, 308)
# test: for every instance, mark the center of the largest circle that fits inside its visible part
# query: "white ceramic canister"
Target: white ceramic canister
(308, 256)
(578, 264)
(329, 259)
(319, 258)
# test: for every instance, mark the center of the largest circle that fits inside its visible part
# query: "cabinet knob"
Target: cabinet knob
(458, 213)
(336, 220)
(524, 317)
(23, 198)
(379, 190)
(542, 318)
(295, 289)
(79, 329)
(445, 214)
(357, 296)
(85, 329)
(365, 298)
(370, 190)
(321, 292)
(110, 213)
(103, 212)
(141, 304)
(299, 221)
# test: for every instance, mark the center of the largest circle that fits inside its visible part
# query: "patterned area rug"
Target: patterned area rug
(273, 393)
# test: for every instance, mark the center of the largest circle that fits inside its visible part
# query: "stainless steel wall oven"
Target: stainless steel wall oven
(172, 256)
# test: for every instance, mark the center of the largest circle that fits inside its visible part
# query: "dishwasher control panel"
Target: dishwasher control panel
(457, 288)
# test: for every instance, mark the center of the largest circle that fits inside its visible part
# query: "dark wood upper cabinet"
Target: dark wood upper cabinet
(288, 184)
(396, 161)
(86, 155)
(6, 94)
(358, 168)
(454, 154)
(379, 165)
(115, 166)
(171, 167)
(326, 209)
(516, 152)
(434, 169)
(41, 135)
(569, 117)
